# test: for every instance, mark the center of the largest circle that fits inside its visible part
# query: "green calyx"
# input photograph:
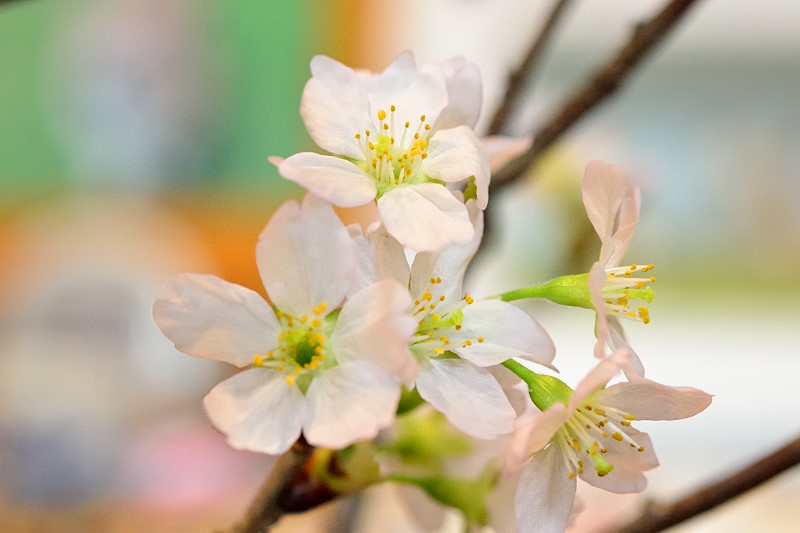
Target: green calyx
(467, 495)
(544, 390)
(572, 290)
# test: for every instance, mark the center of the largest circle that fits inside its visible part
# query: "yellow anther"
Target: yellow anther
(444, 339)
(593, 450)
(358, 135)
(290, 379)
(576, 445)
(572, 475)
(640, 449)
(386, 127)
(630, 417)
(422, 118)
(280, 368)
(427, 296)
(439, 351)
(625, 422)
(416, 302)
(467, 343)
(316, 322)
(481, 339)
(441, 298)
(600, 412)
(653, 279)
(407, 124)
(458, 327)
(317, 350)
(381, 114)
(436, 317)
(432, 281)
(280, 336)
(617, 436)
(258, 360)
(270, 355)
(469, 299)
(603, 450)
(633, 266)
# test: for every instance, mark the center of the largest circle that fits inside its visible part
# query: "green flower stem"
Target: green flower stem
(570, 290)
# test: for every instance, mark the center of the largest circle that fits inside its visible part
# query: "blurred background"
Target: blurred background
(134, 137)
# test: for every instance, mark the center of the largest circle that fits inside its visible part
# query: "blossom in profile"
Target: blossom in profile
(323, 359)
(621, 292)
(587, 433)
(402, 138)
(457, 337)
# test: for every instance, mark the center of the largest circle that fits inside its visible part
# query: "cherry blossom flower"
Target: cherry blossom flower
(613, 210)
(457, 336)
(402, 137)
(323, 361)
(587, 433)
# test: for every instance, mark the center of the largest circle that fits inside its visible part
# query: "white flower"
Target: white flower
(587, 433)
(402, 137)
(614, 213)
(481, 333)
(317, 366)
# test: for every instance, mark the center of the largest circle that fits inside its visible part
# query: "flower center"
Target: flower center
(301, 348)
(393, 156)
(433, 324)
(622, 287)
(590, 431)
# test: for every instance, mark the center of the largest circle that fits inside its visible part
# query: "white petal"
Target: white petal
(305, 256)
(648, 400)
(425, 217)
(350, 402)
(507, 330)
(617, 341)
(628, 218)
(411, 91)
(627, 476)
(456, 154)
(464, 92)
(599, 376)
(257, 410)
(503, 149)
(335, 179)
(335, 107)
(450, 264)
(373, 327)
(543, 427)
(468, 395)
(384, 256)
(602, 189)
(545, 494)
(597, 280)
(210, 318)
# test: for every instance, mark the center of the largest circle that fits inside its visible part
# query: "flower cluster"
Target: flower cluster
(366, 323)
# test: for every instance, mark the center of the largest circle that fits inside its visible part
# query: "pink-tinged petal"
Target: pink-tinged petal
(464, 92)
(627, 476)
(598, 377)
(257, 410)
(373, 327)
(456, 154)
(305, 256)
(544, 426)
(450, 264)
(334, 107)
(503, 149)
(597, 280)
(335, 179)
(468, 396)
(425, 217)
(545, 494)
(210, 318)
(602, 189)
(617, 341)
(507, 331)
(411, 91)
(350, 402)
(648, 400)
(626, 224)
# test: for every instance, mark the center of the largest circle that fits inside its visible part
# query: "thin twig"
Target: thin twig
(265, 510)
(657, 517)
(604, 83)
(519, 78)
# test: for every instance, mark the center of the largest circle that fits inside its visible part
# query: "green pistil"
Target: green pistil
(456, 318)
(570, 290)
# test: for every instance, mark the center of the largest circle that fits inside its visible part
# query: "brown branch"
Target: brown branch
(657, 517)
(603, 84)
(517, 79)
(266, 508)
